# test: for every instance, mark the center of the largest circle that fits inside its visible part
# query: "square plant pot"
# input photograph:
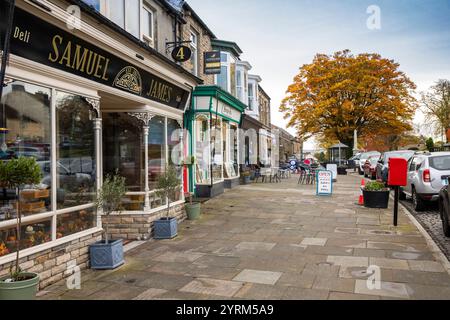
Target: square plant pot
(106, 256)
(166, 228)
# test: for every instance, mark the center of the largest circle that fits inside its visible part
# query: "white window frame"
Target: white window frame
(107, 12)
(149, 39)
(226, 64)
(194, 45)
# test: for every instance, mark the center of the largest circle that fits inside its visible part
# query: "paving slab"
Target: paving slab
(276, 241)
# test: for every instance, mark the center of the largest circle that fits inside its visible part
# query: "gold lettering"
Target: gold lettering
(79, 62)
(105, 70)
(91, 63)
(169, 95)
(16, 32)
(55, 49)
(99, 66)
(66, 54)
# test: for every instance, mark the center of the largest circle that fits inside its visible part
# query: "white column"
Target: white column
(147, 187)
(98, 163)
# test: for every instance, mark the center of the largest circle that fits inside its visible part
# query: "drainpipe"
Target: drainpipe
(6, 45)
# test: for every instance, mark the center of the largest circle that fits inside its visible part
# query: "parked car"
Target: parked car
(370, 167)
(353, 162)
(363, 158)
(444, 209)
(383, 164)
(427, 174)
(20, 151)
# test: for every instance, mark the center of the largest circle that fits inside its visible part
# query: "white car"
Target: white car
(363, 158)
(428, 173)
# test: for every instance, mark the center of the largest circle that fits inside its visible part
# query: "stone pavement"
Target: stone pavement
(276, 241)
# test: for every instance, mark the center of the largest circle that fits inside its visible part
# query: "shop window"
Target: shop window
(202, 150)
(230, 150)
(74, 222)
(156, 150)
(32, 234)
(217, 151)
(175, 151)
(123, 149)
(75, 151)
(25, 132)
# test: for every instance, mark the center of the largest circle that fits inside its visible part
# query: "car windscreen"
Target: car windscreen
(440, 163)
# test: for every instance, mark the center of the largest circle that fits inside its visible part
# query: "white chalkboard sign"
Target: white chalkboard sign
(324, 183)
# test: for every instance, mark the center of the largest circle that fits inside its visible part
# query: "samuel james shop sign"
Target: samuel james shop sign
(34, 39)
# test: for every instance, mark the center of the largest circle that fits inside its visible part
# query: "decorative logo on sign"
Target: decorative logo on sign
(129, 79)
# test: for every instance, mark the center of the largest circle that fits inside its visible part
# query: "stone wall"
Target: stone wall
(138, 226)
(53, 264)
(204, 39)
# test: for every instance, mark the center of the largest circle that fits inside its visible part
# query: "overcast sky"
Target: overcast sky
(278, 37)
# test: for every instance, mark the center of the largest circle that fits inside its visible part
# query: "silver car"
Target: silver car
(428, 173)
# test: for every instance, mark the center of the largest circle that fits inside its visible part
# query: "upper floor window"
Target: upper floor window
(251, 99)
(93, 3)
(194, 56)
(125, 14)
(148, 35)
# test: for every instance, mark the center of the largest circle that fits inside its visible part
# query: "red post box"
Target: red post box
(398, 170)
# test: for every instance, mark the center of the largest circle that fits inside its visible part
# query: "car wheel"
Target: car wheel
(360, 172)
(444, 215)
(418, 204)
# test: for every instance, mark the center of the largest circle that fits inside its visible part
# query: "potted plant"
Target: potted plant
(245, 177)
(15, 174)
(376, 195)
(168, 185)
(193, 209)
(106, 254)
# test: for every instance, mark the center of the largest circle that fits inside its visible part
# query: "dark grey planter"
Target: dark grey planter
(166, 228)
(106, 256)
(376, 199)
(246, 180)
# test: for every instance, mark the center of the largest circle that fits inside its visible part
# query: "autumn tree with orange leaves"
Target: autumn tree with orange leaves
(336, 95)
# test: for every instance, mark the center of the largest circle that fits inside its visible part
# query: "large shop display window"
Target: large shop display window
(230, 150)
(175, 151)
(25, 131)
(217, 151)
(124, 151)
(202, 149)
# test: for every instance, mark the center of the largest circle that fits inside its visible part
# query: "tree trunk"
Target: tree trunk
(19, 227)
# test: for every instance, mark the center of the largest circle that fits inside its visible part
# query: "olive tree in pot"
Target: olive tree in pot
(168, 185)
(376, 195)
(193, 209)
(15, 174)
(106, 254)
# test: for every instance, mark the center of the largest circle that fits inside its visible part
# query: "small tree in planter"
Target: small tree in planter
(108, 254)
(193, 209)
(15, 174)
(376, 195)
(168, 185)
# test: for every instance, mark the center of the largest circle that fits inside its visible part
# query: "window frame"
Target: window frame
(146, 9)
(194, 47)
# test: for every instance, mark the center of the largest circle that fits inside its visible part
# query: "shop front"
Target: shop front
(257, 144)
(213, 123)
(83, 111)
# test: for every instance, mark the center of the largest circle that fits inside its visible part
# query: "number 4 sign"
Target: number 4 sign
(324, 183)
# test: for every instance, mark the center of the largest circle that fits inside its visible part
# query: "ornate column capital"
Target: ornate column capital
(145, 117)
(94, 104)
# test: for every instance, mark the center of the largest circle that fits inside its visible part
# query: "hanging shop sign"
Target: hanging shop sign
(212, 62)
(34, 39)
(324, 183)
(181, 53)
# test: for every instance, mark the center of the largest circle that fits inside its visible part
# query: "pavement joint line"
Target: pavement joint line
(133, 245)
(430, 242)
